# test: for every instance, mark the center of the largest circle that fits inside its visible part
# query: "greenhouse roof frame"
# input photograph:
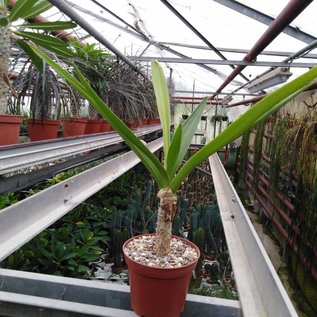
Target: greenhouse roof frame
(133, 24)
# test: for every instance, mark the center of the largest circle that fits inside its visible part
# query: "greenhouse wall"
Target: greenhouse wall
(277, 167)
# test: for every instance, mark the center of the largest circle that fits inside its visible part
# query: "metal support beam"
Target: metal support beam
(23, 181)
(72, 14)
(192, 28)
(24, 155)
(237, 50)
(266, 19)
(25, 294)
(261, 292)
(288, 14)
(243, 63)
(22, 221)
(212, 92)
(134, 32)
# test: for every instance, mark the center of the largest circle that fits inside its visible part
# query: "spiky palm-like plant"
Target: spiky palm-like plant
(170, 175)
(26, 9)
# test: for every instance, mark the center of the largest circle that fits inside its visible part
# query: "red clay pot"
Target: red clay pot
(158, 292)
(145, 121)
(93, 126)
(105, 126)
(9, 129)
(42, 129)
(74, 126)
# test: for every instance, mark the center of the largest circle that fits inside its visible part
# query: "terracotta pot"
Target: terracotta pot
(157, 292)
(105, 126)
(93, 126)
(42, 129)
(145, 121)
(9, 129)
(74, 126)
(132, 125)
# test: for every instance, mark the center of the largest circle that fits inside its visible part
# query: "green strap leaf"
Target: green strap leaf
(259, 111)
(189, 129)
(280, 104)
(174, 152)
(26, 9)
(148, 159)
(37, 61)
(49, 42)
(163, 104)
(51, 26)
(42, 38)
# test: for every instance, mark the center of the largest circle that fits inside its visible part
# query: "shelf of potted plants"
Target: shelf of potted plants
(23, 10)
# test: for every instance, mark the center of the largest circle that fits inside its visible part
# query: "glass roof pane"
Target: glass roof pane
(138, 27)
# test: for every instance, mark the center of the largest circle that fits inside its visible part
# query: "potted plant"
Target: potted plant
(169, 178)
(45, 95)
(23, 9)
(96, 66)
(129, 96)
(73, 119)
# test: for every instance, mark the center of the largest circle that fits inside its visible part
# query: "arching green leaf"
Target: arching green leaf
(37, 61)
(173, 152)
(259, 111)
(51, 26)
(189, 129)
(24, 9)
(53, 44)
(163, 104)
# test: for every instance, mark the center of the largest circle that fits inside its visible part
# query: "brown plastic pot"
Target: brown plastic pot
(158, 292)
(42, 129)
(105, 126)
(93, 126)
(74, 126)
(9, 129)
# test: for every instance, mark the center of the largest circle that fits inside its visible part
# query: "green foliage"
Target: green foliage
(220, 290)
(257, 151)
(117, 242)
(53, 44)
(62, 251)
(26, 9)
(255, 114)
(244, 151)
(50, 26)
(8, 199)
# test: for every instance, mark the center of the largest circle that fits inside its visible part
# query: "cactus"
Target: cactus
(177, 226)
(183, 210)
(114, 217)
(193, 225)
(147, 193)
(199, 240)
(142, 218)
(138, 200)
(128, 219)
(117, 242)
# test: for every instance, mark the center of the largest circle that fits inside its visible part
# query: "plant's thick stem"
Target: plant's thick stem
(166, 214)
(4, 64)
